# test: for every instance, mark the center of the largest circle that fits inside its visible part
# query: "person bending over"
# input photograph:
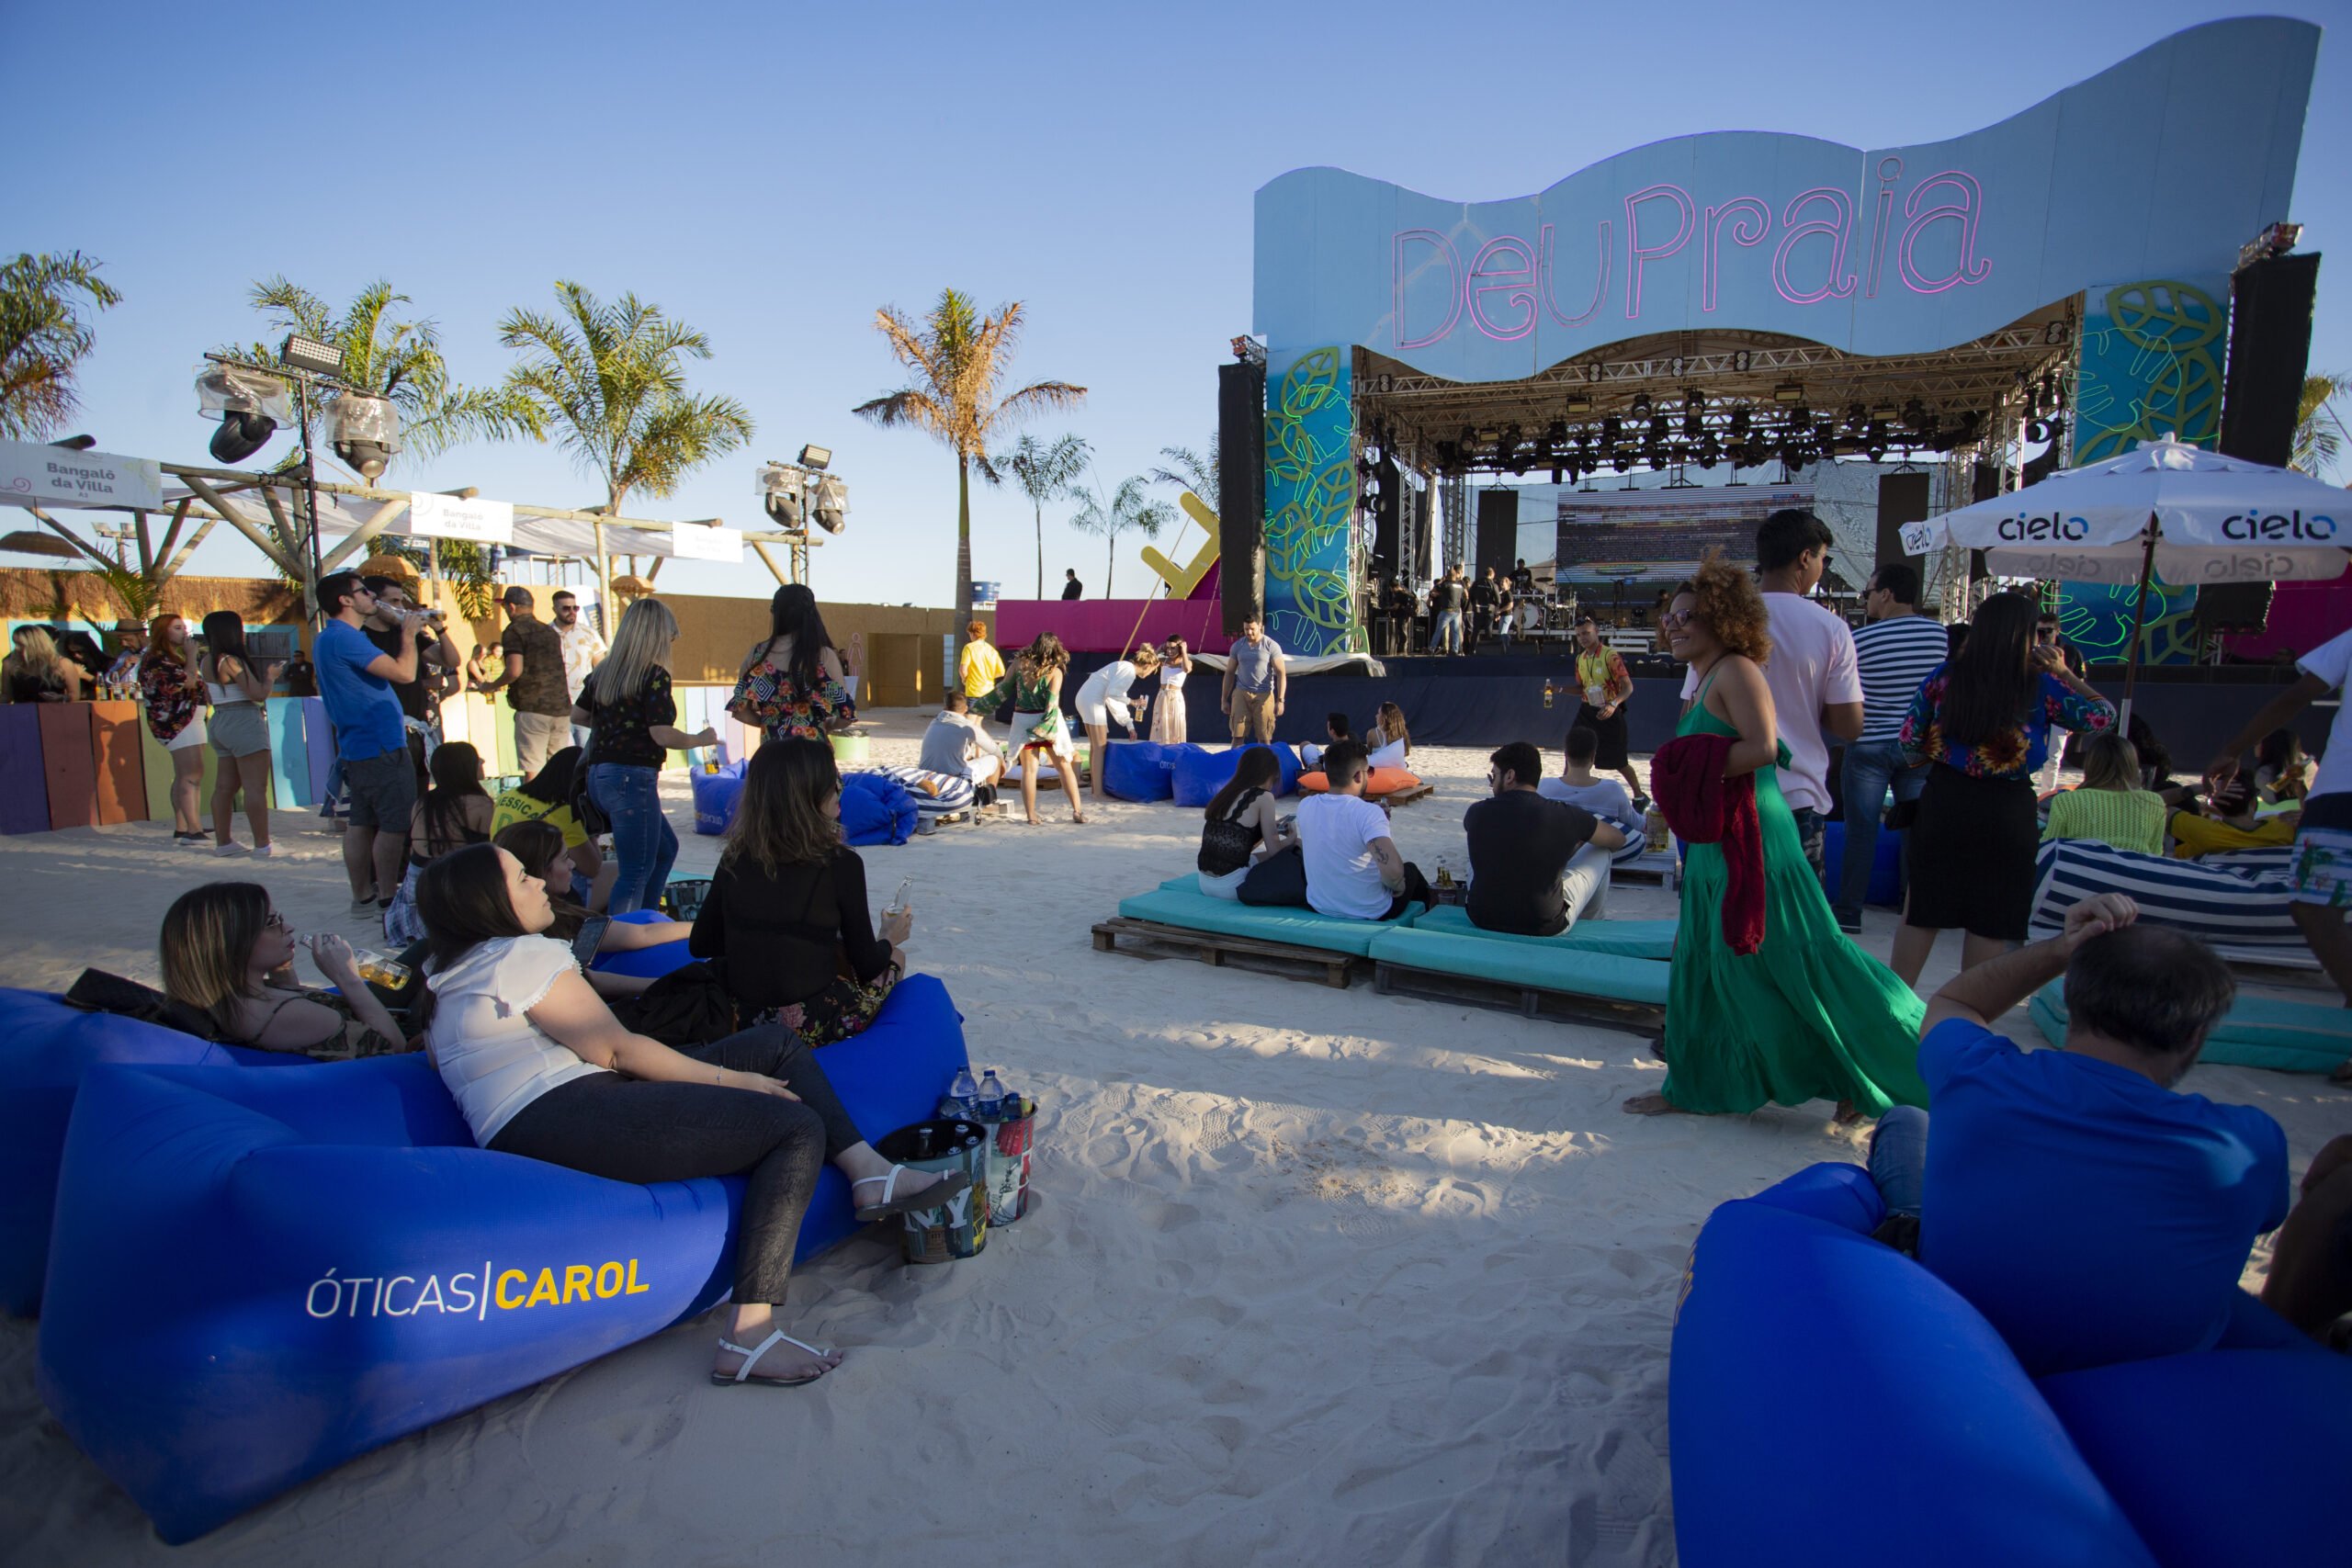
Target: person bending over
(1536, 865)
(2087, 1209)
(1580, 785)
(788, 908)
(1242, 824)
(540, 1069)
(230, 955)
(1102, 697)
(1353, 868)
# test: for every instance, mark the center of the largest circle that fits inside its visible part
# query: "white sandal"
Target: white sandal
(743, 1373)
(950, 1183)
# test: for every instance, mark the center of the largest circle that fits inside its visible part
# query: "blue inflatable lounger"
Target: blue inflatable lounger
(255, 1276)
(1939, 1451)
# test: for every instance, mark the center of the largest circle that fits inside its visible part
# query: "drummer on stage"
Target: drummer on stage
(1607, 686)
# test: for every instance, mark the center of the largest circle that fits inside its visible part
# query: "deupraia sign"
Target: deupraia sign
(2161, 166)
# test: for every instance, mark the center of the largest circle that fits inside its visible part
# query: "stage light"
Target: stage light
(1856, 416)
(1578, 405)
(1914, 415)
(779, 492)
(1800, 416)
(1787, 392)
(309, 354)
(1710, 452)
(1556, 432)
(364, 430)
(1612, 431)
(1739, 423)
(1641, 405)
(250, 405)
(833, 503)
(1694, 418)
(817, 457)
(76, 443)
(1658, 427)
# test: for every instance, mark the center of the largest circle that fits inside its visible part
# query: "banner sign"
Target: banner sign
(437, 516)
(692, 541)
(2159, 167)
(33, 474)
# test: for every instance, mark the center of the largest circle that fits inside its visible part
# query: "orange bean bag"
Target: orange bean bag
(1383, 780)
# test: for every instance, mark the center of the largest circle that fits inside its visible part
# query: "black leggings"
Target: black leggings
(629, 1129)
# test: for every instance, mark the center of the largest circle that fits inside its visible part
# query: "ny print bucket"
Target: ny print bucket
(958, 1227)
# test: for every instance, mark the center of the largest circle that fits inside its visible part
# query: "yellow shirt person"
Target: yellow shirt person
(979, 667)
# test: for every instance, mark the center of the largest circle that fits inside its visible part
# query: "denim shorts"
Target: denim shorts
(383, 790)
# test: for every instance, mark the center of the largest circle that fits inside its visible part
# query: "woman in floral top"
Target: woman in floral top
(793, 683)
(175, 697)
(1984, 718)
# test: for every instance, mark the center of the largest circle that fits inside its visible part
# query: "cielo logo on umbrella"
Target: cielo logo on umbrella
(2273, 526)
(2024, 528)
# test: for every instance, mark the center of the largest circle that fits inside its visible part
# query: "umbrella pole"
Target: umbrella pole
(2138, 619)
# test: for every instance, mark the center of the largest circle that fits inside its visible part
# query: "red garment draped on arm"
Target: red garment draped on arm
(1705, 808)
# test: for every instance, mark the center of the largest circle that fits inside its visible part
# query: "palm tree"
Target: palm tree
(1043, 473)
(2319, 429)
(957, 357)
(610, 378)
(1127, 509)
(43, 338)
(399, 360)
(1190, 470)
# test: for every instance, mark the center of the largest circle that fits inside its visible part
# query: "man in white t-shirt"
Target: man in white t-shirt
(1353, 868)
(583, 649)
(1815, 683)
(2321, 872)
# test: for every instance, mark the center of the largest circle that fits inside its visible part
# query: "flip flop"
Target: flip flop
(742, 1374)
(893, 1201)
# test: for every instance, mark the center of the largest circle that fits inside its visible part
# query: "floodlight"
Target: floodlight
(1787, 392)
(76, 443)
(364, 430)
(301, 353)
(250, 405)
(1578, 405)
(816, 457)
(779, 490)
(833, 503)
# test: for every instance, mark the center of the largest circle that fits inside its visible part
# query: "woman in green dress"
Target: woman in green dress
(1808, 1015)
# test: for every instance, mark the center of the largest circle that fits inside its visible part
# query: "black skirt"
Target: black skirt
(1611, 731)
(1970, 855)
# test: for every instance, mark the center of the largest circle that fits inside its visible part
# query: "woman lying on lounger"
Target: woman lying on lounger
(230, 955)
(539, 1067)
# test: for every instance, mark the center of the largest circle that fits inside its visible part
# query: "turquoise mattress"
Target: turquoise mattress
(1178, 902)
(1626, 939)
(2258, 1032)
(1547, 965)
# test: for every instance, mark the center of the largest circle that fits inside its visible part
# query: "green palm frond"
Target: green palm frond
(1128, 509)
(44, 336)
(1190, 470)
(2319, 433)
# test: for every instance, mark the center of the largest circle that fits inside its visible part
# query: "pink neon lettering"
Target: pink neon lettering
(1452, 283)
(1742, 211)
(1639, 255)
(1833, 286)
(1889, 171)
(1600, 283)
(1517, 288)
(1969, 267)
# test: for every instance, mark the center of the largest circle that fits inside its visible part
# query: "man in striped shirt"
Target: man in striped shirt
(1899, 648)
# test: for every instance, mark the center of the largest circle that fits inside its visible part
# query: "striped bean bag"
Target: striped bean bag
(2243, 909)
(936, 793)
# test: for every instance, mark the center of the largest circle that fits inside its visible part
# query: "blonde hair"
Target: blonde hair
(1390, 734)
(2110, 762)
(641, 642)
(37, 649)
(1144, 658)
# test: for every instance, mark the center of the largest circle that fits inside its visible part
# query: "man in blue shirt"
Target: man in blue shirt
(1256, 683)
(356, 680)
(2089, 1211)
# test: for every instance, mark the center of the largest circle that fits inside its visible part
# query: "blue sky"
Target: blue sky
(773, 173)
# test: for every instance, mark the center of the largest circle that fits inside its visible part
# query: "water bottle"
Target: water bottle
(990, 1107)
(963, 1095)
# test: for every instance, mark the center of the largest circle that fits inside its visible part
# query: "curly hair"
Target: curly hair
(1730, 607)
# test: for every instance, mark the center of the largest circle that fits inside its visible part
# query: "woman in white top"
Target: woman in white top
(1168, 712)
(1102, 698)
(539, 1067)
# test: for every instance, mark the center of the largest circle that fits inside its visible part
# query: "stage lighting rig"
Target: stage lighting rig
(1787, 392)
(816, 458)
(364, 430)
(300, 353)
(249, 404)
(1641, 406)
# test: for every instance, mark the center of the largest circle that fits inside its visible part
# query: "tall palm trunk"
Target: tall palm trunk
(964, 537)
(1110, 559)
(1040, 509)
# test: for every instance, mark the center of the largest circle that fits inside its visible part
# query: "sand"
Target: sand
(1315, 1276)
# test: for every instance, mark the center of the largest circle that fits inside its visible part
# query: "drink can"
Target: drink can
(1654, 826)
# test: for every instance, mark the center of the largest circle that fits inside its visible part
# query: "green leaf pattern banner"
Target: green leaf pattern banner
(1311, 605)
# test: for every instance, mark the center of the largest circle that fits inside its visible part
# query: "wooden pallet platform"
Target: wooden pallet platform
(1405, 796)
(1529, 1001)
(1214, 948)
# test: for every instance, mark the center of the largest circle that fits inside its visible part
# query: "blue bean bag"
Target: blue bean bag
(1886, 863)
(1199, 774)
(650, 962)
(715, 797)
(1935, 1419)
(1138, 770)
(876, 810)
(258, 1276)
(45, 1047)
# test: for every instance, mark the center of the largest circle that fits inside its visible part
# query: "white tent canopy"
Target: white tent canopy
(2218, 519)
(341, 515)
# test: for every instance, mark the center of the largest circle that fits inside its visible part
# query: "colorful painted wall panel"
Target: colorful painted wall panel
(1310, 501)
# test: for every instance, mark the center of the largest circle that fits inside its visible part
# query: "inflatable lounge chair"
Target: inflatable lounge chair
(2244, 913)
(256, 1276)
(1832, 1402)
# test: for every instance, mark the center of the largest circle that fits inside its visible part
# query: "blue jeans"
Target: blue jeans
(644, 847)
(1447, 636)
(1899, 1158)
(1868, 772)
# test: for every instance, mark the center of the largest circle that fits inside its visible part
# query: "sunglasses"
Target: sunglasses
(275, 923)
(1677, 617)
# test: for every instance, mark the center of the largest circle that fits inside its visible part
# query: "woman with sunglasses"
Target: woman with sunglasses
(230, 955)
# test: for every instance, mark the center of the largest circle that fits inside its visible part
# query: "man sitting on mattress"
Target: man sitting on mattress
(2091, 1212)
(1353, 868)
(1537, 866)
(958, 746)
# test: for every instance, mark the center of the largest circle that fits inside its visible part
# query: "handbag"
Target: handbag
(98, 991)
(689, 1006)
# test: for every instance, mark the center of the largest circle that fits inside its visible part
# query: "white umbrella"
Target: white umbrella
(2166, 508)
